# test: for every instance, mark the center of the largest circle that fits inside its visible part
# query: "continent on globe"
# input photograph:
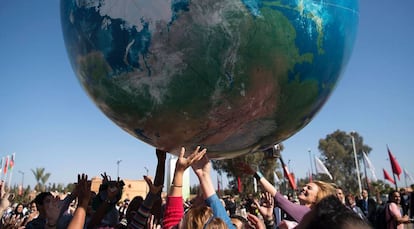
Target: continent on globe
(235, 76)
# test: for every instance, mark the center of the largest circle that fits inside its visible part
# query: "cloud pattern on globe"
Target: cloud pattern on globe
(233, 76)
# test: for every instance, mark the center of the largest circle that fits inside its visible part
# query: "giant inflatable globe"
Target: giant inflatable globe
(235, 76)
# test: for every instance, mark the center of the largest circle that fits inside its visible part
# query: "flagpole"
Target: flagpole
(396, 186)
(356, 162)
(310, 160)
(366, 177)
(405, 179)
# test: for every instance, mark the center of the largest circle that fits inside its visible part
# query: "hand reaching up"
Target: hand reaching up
(83, 190)
(202, 167)
(266, 208)
(153, 189)
(183, 163)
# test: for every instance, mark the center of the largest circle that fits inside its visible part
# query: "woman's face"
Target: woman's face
(20, 208)
(308, 194)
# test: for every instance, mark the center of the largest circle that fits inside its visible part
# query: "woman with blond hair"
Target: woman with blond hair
(308, 196)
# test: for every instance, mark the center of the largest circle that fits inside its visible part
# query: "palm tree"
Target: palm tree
(41, 179)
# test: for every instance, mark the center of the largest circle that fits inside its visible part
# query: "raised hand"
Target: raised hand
(202, 167)
(183, 163)
(83, 190)
(266, 208)
(255, 222)
(153, 189)
(105, 178)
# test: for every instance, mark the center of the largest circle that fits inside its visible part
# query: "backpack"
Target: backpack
(381, 221)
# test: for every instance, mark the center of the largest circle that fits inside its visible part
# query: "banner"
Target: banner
(369, 165)
(321, 168)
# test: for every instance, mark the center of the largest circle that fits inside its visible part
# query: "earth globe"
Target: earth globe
(234, 76)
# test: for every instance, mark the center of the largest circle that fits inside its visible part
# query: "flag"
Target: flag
(388, 177)
(320, 167)
(370, 166)
(287, 175)
(396, 169)
(11, 162)
(239, 185)
(408, 176)
(6, 165)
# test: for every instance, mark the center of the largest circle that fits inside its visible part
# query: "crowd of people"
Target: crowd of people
(317, 205)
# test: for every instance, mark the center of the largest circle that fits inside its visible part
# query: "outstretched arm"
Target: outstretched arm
(174, 208)
(84, 193)
(267, 186)
(159, 181)
(202, 170)
(141, 216)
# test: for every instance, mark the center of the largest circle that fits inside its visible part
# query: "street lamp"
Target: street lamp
(356, 161)
(117, 168)
(21, 172)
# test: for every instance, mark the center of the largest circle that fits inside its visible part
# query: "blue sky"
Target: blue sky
(49, 121)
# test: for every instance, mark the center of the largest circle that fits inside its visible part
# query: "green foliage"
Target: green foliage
(260, 160)
(338, 157)
(41, 178)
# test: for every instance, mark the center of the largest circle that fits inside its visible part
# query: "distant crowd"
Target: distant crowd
(317, 205)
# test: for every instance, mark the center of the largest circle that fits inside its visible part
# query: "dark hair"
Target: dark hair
(41, 197)
(331, 213)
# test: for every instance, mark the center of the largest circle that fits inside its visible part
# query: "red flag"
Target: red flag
(6, 165)
(11, 162)
(288, 175)
(396, 169)
(239, 185)
(388, 177)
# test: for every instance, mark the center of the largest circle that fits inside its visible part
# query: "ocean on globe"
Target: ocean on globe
(234, 76)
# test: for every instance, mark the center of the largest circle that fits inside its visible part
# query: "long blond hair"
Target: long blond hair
(196, 217)
(325, 189)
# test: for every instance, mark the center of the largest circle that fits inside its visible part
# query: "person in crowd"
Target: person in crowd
(393, 213)
(231, 205)
(329, 213)
(174, 211)
(84, 195)
(340, 194)
(405, 200)
(202, 169)
(368, 205)
(32, 213)
(266, 208)
(157, 210)
(41, 200)
(194, 218)
(137, 218)
(239, 222)
(249, 204)
(350, 202)
(139, 212)
(308, 196)
(16, 218)
(106, 214)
